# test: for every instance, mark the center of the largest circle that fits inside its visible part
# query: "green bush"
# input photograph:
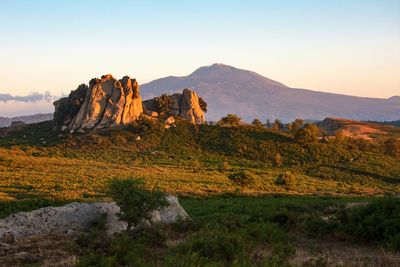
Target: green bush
(241, 178)
(135, 201)
(378, 222)
(213, 242)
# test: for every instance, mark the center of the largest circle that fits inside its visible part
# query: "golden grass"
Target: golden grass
(55, 177)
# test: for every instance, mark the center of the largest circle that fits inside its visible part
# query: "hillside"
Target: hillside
(5, 122)
(187, 160)
(228, 179)
(230, 90)
(357, 129)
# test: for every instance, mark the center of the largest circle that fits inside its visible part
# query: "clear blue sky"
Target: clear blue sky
(343, 46)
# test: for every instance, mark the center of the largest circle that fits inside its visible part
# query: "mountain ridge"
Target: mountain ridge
(229, 89)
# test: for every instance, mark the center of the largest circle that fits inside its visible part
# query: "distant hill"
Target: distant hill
(5, 122)
(230, 90)
(393, 123)
(357, 129)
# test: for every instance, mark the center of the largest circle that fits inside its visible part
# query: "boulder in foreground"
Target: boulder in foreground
(78, 217)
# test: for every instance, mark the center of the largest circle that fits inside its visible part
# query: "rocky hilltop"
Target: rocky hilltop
(186, 105)
(108, 102)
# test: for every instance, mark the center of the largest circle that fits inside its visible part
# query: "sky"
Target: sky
(342, 46)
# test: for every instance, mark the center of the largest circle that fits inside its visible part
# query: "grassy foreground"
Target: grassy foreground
(249, 207)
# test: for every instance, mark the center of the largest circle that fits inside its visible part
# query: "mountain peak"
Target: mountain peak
(219, 67)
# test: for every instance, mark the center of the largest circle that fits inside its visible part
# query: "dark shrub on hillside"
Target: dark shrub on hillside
(164, 103)
(286, 180)
(135, 201)
(241, 178)
(203, 104)
(146, 126)
(307, 135)
(213, 242)
(230, 119)
(378, 222)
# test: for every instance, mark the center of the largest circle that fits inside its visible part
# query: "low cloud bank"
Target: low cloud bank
(31, 97)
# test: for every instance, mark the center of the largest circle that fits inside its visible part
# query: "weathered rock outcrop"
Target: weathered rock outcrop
(185, 105)
(105, 103)
(77, 217)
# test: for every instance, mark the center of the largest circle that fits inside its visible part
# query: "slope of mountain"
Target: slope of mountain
(5, 122)
(357, 129)
(230, 90)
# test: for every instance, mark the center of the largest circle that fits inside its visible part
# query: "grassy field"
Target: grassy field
(187, 160)
(228, 180)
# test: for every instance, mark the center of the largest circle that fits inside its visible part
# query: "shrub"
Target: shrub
(230, 119)
(164, 103)
(307, 135)
(146, 126)
(224, 166)
(241, 178)
(277, 160)
(257, 123)
(286, 179)
(135, 201)
(203, 104)
(213, 242)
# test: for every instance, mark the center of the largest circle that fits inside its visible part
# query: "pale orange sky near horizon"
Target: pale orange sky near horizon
(347, 47)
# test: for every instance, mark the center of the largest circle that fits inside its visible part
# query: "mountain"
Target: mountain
(231, 90)
(5, 122)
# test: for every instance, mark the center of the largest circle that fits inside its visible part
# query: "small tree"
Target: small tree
(136, 203)
(307, 135)
(230, 119)
(241, 178)
(268, 124)
(277, 125)
(296, 125)
(257, 123)
(203, 104)
(286, 180)
(164, 103)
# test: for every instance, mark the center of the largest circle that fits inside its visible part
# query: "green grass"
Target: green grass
(234, 231)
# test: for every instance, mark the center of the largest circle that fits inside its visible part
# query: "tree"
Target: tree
(135, 201)
(268, 124)
(257, 123)
(307, 135)
(241, 178)
(164, 103)
(296, 125)
(203, 104)
(230, 119)
(392, 147)
(277, 125)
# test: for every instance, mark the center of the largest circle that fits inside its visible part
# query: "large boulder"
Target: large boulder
(185, 104)
(77, 217)
(106, 102)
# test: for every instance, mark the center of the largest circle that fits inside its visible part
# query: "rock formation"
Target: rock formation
(185, 105)
(105, 103)
(108, 102)
(76, 217)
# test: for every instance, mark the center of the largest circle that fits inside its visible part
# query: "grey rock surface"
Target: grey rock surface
(77, 217)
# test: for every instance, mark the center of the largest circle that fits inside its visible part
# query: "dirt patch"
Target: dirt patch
(313, 252)
(48, 251)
